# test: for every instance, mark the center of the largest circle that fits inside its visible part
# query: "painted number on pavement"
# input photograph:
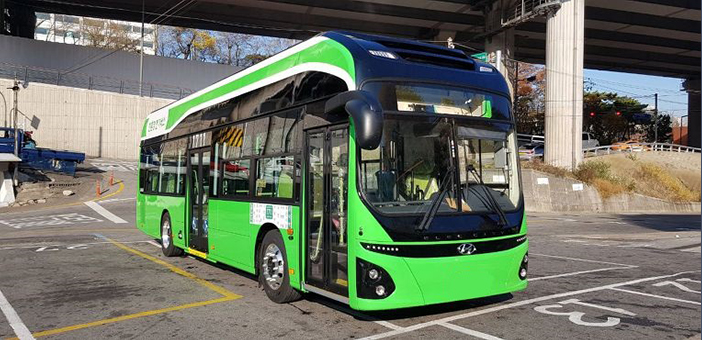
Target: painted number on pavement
(576, 317)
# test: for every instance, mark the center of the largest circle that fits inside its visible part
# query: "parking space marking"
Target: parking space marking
(676, 285)
(129, 317)
(656, 296)
(153, 243)
(104, 212)
(619, 266)
(68, 246)
(582, 260)
(519, 304)
(226, 295)
(16, 323)
(470, 332)
(578, 273)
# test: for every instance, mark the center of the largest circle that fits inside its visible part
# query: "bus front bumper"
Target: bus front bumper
(427, 281)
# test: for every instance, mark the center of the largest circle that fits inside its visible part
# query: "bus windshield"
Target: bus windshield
(407, 172)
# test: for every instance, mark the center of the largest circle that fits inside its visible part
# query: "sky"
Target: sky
(670, 97)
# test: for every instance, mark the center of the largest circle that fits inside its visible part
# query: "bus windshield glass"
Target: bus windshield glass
(439, 99)
(410, 168)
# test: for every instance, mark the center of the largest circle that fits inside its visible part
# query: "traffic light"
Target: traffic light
(618, 113)
(592, 114)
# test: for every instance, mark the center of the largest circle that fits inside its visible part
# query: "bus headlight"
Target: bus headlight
(373, 275)
(524, 267)
(380, 290)
(372, 282)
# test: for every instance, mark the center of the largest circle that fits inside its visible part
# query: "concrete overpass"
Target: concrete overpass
(653, 37)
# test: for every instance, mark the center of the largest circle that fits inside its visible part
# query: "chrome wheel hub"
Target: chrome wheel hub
(273, 266)
(166, 234)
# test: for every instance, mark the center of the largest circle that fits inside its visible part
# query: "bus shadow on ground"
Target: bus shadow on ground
(412, 312)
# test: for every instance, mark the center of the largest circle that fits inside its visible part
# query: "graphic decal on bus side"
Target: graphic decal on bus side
(280, 215)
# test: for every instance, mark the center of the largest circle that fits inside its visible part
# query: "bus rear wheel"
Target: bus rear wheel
(273, 271)
(167, 246)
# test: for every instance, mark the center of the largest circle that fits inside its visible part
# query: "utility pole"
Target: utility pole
(141, 54)
(655, 118)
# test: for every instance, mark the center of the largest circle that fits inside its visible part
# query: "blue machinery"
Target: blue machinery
(39, 158)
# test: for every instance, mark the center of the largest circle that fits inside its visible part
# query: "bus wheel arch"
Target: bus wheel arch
(272, 265)
(167, 246)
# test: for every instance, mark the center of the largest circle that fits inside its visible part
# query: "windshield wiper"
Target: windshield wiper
(436, 202)
(493, 205)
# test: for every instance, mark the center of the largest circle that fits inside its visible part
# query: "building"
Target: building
(77, 30)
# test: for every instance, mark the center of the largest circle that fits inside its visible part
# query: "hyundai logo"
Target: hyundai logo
(466, 249)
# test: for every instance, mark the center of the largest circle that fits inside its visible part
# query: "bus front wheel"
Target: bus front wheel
(167, 246)
(273, 271)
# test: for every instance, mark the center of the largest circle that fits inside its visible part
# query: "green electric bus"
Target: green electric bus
(379, 172)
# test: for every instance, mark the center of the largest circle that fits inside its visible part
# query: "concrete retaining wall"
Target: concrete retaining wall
(101, 124)
(547, 193)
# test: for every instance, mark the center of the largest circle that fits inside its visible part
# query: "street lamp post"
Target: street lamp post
(15, 90)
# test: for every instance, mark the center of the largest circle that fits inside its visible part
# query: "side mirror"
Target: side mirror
(366, 113)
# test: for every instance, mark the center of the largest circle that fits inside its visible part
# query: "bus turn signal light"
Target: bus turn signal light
(290, 231)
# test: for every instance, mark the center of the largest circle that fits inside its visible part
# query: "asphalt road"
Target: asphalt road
(72, 272)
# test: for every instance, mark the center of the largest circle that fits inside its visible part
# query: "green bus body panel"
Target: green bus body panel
(151, 208)
(326, 51)
(232, 239)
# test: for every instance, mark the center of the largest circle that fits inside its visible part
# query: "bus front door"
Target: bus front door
(198, 177)
(326, 185)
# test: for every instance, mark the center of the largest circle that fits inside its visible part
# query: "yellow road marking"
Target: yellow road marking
(131, 316)
(227, 295)
(121, 187)
(177, 270)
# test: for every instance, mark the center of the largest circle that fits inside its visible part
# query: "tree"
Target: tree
(530, 106)
(665, 129)
(611, 118)
(232, 48)
(109, 35)
(187, 43)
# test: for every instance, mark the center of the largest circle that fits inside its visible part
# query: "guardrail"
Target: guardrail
(90, 82)
(638, 147)
(522, 137)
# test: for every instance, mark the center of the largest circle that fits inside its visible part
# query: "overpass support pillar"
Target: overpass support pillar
(692, 86)
(564, 85)
(501, 44)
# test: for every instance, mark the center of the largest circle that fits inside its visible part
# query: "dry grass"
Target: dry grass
(608, 188)
(538, 165)
(614, 175)
(599, 175)
(663, 185)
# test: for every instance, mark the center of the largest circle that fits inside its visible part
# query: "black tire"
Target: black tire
(167, 246)
(279, 291)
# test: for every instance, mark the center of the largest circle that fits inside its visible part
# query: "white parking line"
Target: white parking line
(153, 243)
(16, 323)
(102, 211)
(577, 273)
(118, 200)
(656, 296)
(582, 260)
(470, 332)
(519, 304)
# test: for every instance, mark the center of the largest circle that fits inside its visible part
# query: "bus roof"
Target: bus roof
(352, 57)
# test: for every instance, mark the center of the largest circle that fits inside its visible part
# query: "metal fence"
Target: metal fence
(86, 81)
(637, 147)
